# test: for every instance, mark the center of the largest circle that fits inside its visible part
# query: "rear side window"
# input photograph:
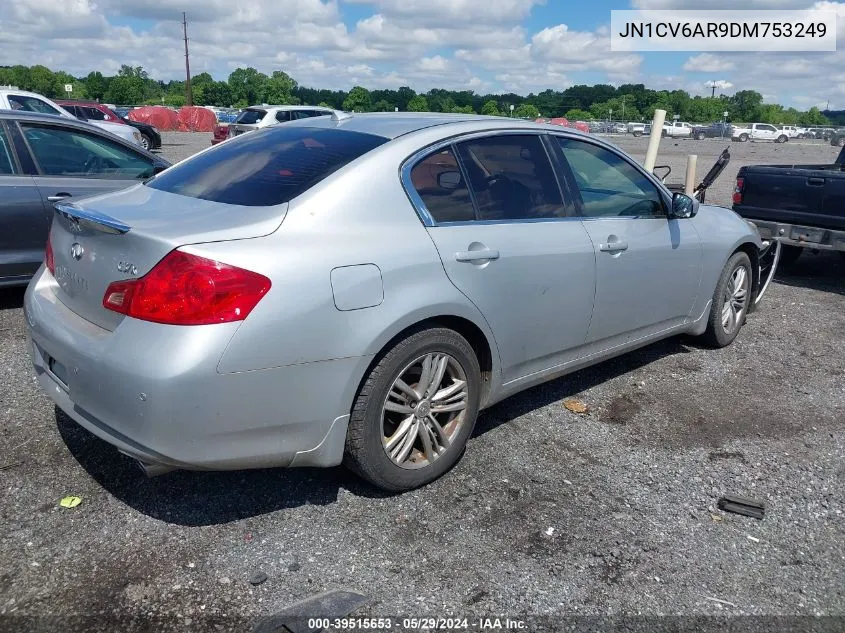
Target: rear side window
(250, 117)
(31, 104)
(267, 167)
(438, 181)
(283, 116)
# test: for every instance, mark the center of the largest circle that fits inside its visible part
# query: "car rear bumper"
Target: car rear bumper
(154, 392)
(804, 236)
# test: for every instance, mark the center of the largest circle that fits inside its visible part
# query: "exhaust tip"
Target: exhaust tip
(154, 470)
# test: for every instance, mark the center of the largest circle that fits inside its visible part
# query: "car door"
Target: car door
(72, 162)
(648, 267)
(764, 132)
(24, 221)
(510, 243)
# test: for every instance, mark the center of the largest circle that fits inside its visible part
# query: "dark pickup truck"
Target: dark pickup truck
(714, 130)
(803, 206)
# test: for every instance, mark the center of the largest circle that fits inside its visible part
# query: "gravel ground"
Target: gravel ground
(550, 513)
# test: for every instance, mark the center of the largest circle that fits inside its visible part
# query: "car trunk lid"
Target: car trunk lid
(122, 235)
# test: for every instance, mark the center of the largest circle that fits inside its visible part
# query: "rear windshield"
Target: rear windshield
(266, 167)
(250, 117)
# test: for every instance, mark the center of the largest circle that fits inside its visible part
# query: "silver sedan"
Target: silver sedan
(356, 288)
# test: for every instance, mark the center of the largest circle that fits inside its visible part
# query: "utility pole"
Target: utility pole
(189, 98)
(713, 94)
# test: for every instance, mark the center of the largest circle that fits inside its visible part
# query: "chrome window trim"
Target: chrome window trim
(419, 206)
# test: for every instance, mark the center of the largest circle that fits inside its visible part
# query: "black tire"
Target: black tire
(637, 134)
(789, 254)
(716, 335)
(840, 141)
(701, 136)
(146, 142)
(743, 138)
(782, 138)
(663, 134)
(365, 453)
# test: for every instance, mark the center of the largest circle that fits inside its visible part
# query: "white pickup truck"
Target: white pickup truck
(758, 132)
(677, 129)
(14, 99)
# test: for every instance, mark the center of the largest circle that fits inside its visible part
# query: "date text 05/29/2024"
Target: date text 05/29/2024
(480, 624)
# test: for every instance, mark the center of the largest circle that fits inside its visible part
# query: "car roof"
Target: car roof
(391, 125)
(289, 107)
(40, 117)
(90, 104)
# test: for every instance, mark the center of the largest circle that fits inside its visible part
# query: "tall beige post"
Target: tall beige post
(689, 183)
(654, 139)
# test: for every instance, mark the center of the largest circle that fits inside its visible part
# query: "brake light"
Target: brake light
(185, 289)
(740, 185)
(48, 257)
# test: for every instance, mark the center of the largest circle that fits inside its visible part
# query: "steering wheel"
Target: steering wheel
(93, 165)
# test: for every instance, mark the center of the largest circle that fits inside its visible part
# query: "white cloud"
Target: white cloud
(708, 63)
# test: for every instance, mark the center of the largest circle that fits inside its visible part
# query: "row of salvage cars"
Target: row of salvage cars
(356, 288)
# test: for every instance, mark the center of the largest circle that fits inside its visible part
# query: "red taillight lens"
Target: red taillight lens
(185, 289)
(740, 185)
(48, 257)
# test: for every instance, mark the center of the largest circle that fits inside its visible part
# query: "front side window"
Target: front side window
(31, 104)
(93, 114)
(283, 116)
(511, 178)
(609, 185)
(438, 181)
(267, 167)
(69, 152)
(7, 163)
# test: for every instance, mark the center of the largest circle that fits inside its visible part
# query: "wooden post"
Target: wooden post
(689, 183)
(654, 139)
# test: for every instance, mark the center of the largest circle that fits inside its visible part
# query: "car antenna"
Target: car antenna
(340, 115)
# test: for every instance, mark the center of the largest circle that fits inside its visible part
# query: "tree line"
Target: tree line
(247, 86)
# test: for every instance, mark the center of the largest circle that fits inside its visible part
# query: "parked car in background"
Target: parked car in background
(434, 291)
(44, 159)
(677, 129)
(758, 132)
(793, 131)
(257, 117)
(227, 116)
(23, 101)
(714, 130)
(220, 133)
(820, 133)
(92, 112)
(636, 128)
(837, 137)
(801, 205)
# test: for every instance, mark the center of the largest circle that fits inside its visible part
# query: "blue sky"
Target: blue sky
(483, 45)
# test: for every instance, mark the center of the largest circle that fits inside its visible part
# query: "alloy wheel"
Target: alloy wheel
(424, 410)
(735, 300)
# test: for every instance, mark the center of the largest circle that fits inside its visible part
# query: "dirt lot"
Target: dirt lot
(549, 514)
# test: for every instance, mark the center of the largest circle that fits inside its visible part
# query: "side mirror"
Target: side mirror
(683, 206)
(449, 180)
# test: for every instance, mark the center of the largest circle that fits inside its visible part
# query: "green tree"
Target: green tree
(278, 89)
(467, 109)
(418, 103)
(577, 114)
(358, 100)
(403, 98)
(96, 85)
(526, 111)
(323, 104)
(814, 117)
(41, 80)
(746, 105)
(490, 108)
(247, 86)
(382, 106)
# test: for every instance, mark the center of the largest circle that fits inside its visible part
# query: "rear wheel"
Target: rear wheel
(663, 134)
(730, 301)
(782, 138)
(701, 136)
(415, 411)
(743, 138)
(840, 141)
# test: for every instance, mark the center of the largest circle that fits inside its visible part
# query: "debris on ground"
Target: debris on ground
(257, 578)
(70, 502)
(331, 604)
(742, 505)
(720, 601)
(576, 406)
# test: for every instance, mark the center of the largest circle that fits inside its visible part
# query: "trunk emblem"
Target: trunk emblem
(127, 267)
(76, 251)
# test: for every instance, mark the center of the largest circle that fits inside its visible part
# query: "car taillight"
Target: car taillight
(48, 257)
(740, 185)
(185, 289)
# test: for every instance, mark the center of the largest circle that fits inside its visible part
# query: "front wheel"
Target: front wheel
(415, 411)
(730, 301)
(782, 139)
(146, 142)
(701, 136)
(743, 138)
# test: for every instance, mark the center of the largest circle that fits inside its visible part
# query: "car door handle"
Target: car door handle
(815, 181)
(475, 256)
(58, 196)
(614, 247)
